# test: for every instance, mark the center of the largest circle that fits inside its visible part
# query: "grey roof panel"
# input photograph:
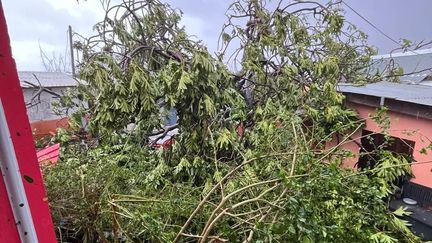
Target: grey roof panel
(46, 79)
(417, 65)
(413, 93)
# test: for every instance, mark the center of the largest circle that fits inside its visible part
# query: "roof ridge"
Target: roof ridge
(402, 54)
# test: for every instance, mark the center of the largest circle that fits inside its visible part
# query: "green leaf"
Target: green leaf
(402, 211)
(184, 80)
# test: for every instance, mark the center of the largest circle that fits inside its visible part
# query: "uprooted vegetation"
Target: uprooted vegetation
(249, 162)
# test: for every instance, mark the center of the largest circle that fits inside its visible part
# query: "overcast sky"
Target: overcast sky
(34, 23)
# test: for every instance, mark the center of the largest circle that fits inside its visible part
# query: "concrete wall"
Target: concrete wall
(403, 126)
(43, 110)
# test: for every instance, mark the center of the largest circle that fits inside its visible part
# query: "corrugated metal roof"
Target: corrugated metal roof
(413, 93)
(403, 54)
(417, 65)
(46, 79)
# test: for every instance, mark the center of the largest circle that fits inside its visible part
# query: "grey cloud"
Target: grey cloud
(397, 18)
(36, 20)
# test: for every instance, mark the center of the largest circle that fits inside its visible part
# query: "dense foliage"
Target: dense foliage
(250, 161)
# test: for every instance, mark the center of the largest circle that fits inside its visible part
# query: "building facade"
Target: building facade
(41, 90)
(409, 126)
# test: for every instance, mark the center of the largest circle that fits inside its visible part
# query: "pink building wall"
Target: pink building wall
(403, 126)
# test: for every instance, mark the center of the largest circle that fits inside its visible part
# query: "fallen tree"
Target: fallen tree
(275, 180)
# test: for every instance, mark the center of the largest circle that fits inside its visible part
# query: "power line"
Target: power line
(371, 24)
(378, 29)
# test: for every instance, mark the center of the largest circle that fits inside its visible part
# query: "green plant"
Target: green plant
(275, 181)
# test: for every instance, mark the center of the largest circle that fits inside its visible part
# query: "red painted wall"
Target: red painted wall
(42, 129)
(21, 136)
(403, 126)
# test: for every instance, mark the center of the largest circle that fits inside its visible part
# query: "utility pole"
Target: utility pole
(71, 51)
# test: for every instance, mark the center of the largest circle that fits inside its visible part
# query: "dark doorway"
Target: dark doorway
(372, 143)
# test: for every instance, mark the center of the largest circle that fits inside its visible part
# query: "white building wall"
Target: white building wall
(43, 110)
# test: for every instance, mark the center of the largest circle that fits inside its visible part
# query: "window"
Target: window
(371, 143)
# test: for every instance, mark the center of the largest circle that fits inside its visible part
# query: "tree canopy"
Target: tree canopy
(250, 161)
